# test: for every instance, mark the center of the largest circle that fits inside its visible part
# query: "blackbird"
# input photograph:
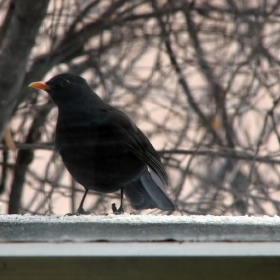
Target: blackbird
(102, 148)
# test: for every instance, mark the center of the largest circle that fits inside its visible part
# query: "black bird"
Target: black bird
(102, 148)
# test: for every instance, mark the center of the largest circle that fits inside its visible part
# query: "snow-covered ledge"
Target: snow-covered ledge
(201, 247)
(135, 228)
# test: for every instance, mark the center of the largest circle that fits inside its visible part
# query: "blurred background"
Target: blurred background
(200, 78)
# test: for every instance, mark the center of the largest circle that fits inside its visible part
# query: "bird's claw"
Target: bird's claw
(117, 211)
(79, 212)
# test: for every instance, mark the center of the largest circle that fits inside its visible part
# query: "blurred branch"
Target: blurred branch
(180, 75)
(25, 157)
(22, 30)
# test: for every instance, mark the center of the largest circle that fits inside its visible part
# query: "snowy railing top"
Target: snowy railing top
(27, 228)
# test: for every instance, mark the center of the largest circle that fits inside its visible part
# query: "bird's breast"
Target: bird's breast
(97, 158)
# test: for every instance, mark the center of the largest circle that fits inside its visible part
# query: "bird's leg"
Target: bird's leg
(120, 210)
(80, 210)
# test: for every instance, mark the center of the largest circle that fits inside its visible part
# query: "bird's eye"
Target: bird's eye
(65, 83)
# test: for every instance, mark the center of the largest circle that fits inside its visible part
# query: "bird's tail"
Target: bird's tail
(145, 193)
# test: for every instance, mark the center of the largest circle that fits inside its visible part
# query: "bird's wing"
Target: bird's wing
(137, 143)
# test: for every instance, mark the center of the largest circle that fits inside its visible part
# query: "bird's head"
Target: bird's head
(64, 87)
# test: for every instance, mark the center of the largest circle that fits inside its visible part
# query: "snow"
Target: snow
(143, 219)
(138, 228)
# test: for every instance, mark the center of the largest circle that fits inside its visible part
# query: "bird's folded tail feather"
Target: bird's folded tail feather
(146, 194)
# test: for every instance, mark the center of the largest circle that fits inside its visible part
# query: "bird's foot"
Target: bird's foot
(117, 211)
(80, 211)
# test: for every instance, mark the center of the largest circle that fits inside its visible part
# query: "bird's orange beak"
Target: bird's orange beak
(40, 85)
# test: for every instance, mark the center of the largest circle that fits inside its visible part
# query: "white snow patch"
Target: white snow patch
(142, 219)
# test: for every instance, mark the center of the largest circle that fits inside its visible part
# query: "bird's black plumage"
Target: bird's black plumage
(102, 148)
